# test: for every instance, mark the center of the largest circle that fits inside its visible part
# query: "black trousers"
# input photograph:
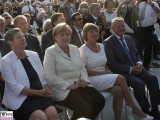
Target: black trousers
(2, 85)
(138, 83)
(144, 44)
(85, 102)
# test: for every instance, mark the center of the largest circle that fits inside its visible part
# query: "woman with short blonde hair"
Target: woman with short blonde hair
(67, 77)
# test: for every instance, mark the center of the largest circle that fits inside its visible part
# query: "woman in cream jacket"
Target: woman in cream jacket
(67, 76)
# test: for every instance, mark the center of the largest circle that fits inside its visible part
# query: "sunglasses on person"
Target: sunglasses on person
(79, 19)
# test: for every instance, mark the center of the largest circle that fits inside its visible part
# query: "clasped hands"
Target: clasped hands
(46, 92)
(79, 83)
(136, 70)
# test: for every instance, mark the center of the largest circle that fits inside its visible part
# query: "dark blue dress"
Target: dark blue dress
(31, 103)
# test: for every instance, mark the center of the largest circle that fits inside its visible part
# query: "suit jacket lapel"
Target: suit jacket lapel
(59, 50)
(120, 48)
(77, 39)
(118, 45)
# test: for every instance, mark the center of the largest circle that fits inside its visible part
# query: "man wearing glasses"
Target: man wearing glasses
(76, 38)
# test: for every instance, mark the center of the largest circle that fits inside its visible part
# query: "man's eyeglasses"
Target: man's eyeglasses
(79, 19)
(7, 17)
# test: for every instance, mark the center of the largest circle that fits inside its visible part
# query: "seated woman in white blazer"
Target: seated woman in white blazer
(26, 91)
(67, 76)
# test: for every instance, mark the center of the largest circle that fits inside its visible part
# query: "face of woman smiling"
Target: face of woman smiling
(93, 35)
(63, 38)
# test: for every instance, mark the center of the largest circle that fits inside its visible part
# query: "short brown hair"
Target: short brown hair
(55, 17)
(86, 28)
(11, 33)
(74, 15)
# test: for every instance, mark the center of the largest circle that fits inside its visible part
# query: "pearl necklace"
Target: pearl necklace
(94, 49)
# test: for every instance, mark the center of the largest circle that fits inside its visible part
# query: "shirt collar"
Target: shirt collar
(118, 37)
(77, 30)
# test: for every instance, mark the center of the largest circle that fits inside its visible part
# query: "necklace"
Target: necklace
(94, 49)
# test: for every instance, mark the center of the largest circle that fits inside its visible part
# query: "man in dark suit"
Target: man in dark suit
(47, 38)
(94, 17)
(124, 59)
(76, 38)
(32, 41)
(68, 8)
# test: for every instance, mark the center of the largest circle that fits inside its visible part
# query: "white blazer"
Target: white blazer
(16, 79)
(62, 71)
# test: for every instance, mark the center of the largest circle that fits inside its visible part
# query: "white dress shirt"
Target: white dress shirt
(150, 14)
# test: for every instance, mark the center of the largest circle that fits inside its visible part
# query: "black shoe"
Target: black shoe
(155, 114)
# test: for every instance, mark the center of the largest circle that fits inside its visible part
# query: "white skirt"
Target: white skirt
(103, 82)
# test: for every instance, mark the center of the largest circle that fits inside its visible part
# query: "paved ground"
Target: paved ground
(156, 71)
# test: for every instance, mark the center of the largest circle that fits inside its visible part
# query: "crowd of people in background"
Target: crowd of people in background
(66, 52)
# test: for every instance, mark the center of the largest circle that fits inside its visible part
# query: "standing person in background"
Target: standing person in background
(148, 12)
(25, 82)
(67, 77)
(27, 8)
(107, 15)
(128, 10)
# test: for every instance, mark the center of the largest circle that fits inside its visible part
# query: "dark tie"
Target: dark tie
(126, 49)
(142, 15)
(81, 39)
(28, 46)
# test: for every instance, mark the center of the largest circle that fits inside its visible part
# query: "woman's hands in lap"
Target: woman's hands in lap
(77, 84)
(46, 93)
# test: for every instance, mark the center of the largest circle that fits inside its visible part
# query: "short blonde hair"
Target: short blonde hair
(87, 27)
(82, 5)
(18, 18)
(61, 27)
(93, 6)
